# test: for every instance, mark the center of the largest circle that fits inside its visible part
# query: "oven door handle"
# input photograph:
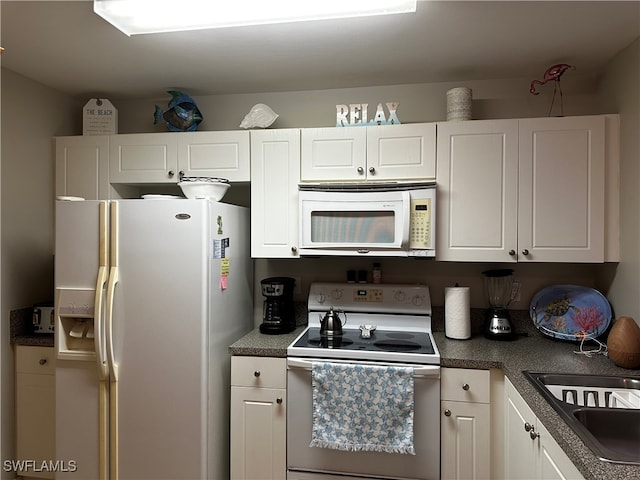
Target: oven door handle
(422, 371)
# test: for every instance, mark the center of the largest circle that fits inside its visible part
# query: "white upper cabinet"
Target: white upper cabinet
(379, 153)
(143, 158)
(166, 157)
(275, 173)
(477, 190)
(82, 166)
(561, 189)
(528, 190)
(214, 154)
(333, 154)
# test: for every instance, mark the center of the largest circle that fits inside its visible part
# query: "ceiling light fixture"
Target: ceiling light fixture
(153, 16)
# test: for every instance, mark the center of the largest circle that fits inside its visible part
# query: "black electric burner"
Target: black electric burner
(380, 341)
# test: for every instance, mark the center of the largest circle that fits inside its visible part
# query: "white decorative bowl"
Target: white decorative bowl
(204, 189)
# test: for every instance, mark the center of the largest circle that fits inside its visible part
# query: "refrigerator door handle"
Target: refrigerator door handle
(98, 320)
(114, 277)
(111, 290)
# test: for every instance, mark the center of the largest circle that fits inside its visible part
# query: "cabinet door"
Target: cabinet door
(553, 462)
(82, 166)
(143, 158)
(477, 175)
(561, 189)
(401, 152)
(334, 154)
(465, 443)
(214, 154)
(521, 451)
(275, 174)
(35, 406)
(258, 433)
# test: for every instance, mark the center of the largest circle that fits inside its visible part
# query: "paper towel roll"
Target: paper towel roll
(457, 313)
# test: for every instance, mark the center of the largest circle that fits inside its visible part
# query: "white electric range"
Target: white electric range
(383, 324)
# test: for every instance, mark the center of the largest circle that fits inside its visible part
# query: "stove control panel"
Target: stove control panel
(385, 298)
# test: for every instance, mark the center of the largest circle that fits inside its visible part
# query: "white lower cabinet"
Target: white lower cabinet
(258, 418)
(530, 451)
(35, 408)
(466, 424)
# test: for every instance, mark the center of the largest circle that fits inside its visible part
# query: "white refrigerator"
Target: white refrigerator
(149, 295)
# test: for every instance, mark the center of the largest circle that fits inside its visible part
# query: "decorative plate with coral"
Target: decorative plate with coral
(570, 312)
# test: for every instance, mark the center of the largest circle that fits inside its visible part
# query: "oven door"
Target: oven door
(303, 460)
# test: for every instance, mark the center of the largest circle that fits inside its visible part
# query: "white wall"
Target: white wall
(31, 115)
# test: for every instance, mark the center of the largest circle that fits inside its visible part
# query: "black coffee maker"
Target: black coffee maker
(278, 313)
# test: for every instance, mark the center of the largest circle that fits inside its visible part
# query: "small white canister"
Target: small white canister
(459, 103)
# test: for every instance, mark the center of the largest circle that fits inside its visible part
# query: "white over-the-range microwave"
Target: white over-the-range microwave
(382, 219)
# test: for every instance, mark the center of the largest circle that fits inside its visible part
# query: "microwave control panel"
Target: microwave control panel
(420, 228)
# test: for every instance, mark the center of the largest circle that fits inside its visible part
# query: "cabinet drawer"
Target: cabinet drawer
(259, 372)
(465, 385)
(39, 360)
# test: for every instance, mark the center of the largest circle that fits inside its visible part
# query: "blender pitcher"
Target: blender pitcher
(498, 287)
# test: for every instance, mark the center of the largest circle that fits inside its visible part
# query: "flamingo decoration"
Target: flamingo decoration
(553, 73)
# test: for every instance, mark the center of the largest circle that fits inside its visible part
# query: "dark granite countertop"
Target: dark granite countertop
(531, 351)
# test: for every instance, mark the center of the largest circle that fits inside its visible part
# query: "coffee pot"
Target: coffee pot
(331, 324)
(278, 311)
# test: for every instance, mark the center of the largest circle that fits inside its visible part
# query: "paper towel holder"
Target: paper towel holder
(457, 313)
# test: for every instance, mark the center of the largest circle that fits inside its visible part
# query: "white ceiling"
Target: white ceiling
(66, 46)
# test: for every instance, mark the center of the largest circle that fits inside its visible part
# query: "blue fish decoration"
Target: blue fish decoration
(182, 115)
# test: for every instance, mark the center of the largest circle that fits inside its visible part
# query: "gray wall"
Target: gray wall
(507, 98)
(31, 115)
(620, 92)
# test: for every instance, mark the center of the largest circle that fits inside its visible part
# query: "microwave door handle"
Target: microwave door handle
(406, 219)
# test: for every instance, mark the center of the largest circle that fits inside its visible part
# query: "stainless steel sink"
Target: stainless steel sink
(604, 411)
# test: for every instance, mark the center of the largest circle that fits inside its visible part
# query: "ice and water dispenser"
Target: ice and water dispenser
(75, 323)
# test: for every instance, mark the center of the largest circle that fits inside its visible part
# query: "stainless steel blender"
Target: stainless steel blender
(498, 287)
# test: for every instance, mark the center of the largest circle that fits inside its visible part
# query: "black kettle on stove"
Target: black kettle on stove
(330, 324)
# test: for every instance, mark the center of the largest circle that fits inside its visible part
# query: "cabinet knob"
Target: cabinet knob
(279, 400)
(360, 170)
(181, 174)
(447, 413)
(42, 361)
(372, 170)
(256, 373)
(527, 427)
(525, 252)
(294, 249)
(533, 434)
(171, 173)
(512, 252)
(465, 386)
